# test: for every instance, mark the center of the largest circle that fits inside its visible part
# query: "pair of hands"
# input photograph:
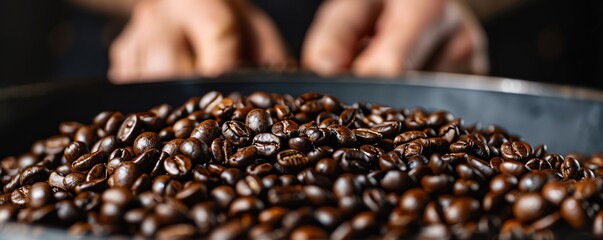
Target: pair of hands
(167, 38)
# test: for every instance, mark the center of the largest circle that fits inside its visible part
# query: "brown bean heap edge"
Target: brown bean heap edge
(271, 166)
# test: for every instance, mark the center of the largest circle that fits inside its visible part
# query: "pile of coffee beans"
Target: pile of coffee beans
(271, 166)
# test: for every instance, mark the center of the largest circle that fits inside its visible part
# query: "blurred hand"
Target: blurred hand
(172, 38)
(386, 37)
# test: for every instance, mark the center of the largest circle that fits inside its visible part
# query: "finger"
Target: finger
(165, 61)
(333, 38)
(407, 31)
(123, 55)
(214, 37)
(265, 43)
(465, 51)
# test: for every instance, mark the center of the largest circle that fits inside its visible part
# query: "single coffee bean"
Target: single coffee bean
(570, 168)
(285, 129)
(124, 175)
(20, 196)
(344, 136)
(184, 127)
(39, 195)
(33, 174)
(292, 160)
(145, 141)
(462, 210)
(87, 161)
(145, 160)
(258, 120)
(516, 151)
(574, 212)
(74, 150)
(129, 129)
(195, 149)
(178, 166)
(206, 131)
(192, 194)
(529, 207)
(243, 157)
(236, 133)
(72, 180)
(142, 183)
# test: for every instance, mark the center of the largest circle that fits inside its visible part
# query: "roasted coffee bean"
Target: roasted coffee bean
(570, 168)
(33, 174)
(285, 129)
(74, 150)
(129, 129)
(20, 196)
(124, 175)
(574, 212)
(388, 129)
(145, 160)
(529, 207)
(142, 183)
(69, 128)
(344, 136)
(258, 121)
(462, 210)
(266, 144)
(302, 144)
(56, 144)
(87, 161)
(516, 151)
(236, 133)
(472, 144)
(39, 195)
(195, 149)
(355, 161)
(249, 186)
(243, 157)
(206, 131)
(145, 141)
(292, 160)
(72, 180)
(178, 166)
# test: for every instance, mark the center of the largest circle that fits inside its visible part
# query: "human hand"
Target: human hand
(167, 38)
(387, 37)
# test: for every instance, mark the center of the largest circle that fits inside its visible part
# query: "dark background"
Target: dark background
(541, 40)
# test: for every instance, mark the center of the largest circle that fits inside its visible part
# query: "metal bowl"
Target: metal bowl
(567, 119)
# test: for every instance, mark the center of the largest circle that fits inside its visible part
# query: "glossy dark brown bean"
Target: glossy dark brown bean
(124, 175)
(285, 129)
(529, 207)
(343, 135)
(87, 161)
(258, 120)
(236, 133)
(570, 168)
(129, 129)
(292, 160)
(33, 174)
(574, 212)
(145, 141)
(206, 131)
(462, 210)
(74, 150)
(178, 166)
(516, 151)
(195, 149)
